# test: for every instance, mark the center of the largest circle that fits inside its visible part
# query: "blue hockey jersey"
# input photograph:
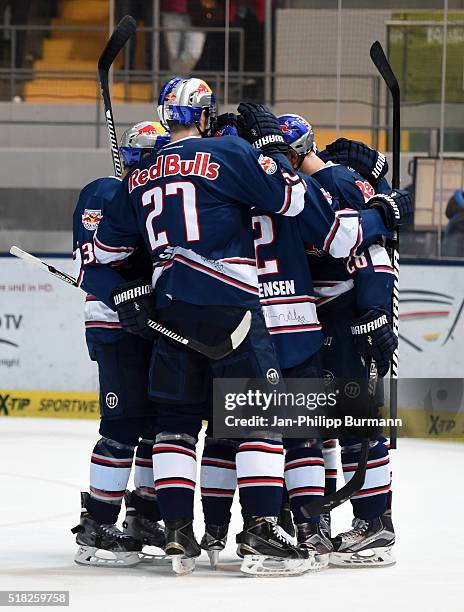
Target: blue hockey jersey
(285, 284)
(101, 321)
(361, 282)
(192, 207)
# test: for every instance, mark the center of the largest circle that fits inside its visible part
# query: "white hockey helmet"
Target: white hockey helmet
(143, 137)
(182, 101)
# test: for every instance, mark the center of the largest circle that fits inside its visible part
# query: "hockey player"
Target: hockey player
(127, 416)
(350, 295)
(191, 207)
(291, 318)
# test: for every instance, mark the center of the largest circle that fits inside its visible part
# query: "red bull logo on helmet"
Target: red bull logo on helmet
(285, 127)
(203, 88)
(91, 219)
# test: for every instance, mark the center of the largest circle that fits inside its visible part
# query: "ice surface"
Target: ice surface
(44, 465)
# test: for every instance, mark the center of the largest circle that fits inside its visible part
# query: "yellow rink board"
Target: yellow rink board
(56, 404)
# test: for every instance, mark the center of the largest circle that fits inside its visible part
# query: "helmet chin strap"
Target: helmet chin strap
(301, 159)
(204, 133)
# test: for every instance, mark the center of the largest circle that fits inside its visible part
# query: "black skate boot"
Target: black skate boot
(370, 542)
(103, 544)
(311, 537)
(326, 524)
(285, 520)
(267, 551)
(214, 541)
(139, 527)
(181, 545)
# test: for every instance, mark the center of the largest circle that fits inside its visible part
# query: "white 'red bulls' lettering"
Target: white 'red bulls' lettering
(173, 165)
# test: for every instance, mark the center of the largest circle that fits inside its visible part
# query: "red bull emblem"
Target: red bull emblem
(170, 98)
(91, 219)
(203, 88)
(267, 164)
(285, 127)
(147, 129)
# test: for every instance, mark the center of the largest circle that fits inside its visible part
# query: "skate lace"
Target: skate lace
(113, 531)
(276, 529)
(359, 528)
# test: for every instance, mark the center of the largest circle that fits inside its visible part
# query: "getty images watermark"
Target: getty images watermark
(337, 408)
(298, 408)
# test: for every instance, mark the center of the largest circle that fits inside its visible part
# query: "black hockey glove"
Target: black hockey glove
(374, 339)
(222, 122)
(260, 127)
(396, 209)
(135, 303)
(371, 164)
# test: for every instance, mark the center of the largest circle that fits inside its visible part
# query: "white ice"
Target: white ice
(44, 465)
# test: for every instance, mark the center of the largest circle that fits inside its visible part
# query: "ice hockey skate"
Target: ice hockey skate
(312, 538)
(181, 545)
(285, 520)
(150, 533)
(268, 551)
(103, 545)
(213, 541)
(369, 542)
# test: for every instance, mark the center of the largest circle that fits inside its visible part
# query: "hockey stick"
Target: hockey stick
(328, 502)
(393, 245)
(123, 31)
(212, 352)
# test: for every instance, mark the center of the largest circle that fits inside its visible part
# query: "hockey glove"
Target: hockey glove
(396, 209)
(374, 339)
(226, 124)
(260, 127)
(135, 303)
(371, 164)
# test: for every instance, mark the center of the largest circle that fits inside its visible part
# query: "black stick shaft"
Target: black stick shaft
(383, 66)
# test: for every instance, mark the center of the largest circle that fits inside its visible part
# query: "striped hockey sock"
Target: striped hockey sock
(329, 453)
(260, 468)
(304, 479)
(110, 468)
(145, 500)
(218, 480)
(175, 470)
(371, 501)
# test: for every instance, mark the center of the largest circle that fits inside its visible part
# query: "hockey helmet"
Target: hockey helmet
(182, 102)
(143, 137)
(298, 134)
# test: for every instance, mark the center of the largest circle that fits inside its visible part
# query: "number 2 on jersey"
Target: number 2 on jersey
(266, 230)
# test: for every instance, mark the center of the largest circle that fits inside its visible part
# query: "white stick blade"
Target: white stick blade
(25, 256)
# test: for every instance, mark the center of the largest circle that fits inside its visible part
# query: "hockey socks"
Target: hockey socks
(218, 480)
(329, 453)
(372, 500)
(260, 467)
(144, 499)
(175, 470)
(110, 468)
(304, 478)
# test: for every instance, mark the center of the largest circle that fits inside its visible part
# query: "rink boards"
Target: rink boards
(45, 369)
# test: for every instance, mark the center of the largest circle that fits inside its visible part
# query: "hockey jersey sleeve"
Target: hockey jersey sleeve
(267, 183)
(93, 279)
(340, 233)
(373, 277)
(117, 236)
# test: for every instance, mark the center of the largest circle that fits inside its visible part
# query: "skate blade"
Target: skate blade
(213, 558)
(154, 559)
(89, 555)
(182, 565)
(373, 557)
(262, 566)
